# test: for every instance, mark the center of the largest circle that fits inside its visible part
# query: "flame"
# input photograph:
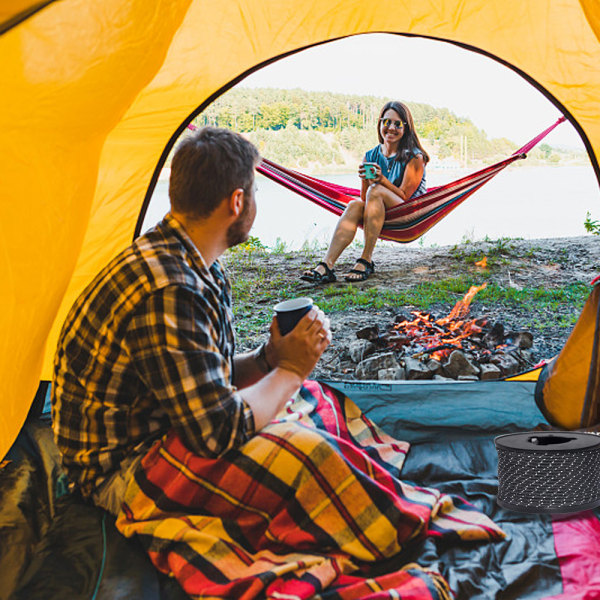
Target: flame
(443, 334)
(482, 263)
(461, 308)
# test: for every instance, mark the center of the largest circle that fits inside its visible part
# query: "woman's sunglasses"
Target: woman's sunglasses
(390, 122)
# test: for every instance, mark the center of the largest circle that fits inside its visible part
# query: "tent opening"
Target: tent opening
(312, 112)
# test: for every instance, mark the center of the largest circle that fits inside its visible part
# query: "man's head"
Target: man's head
(208, 167)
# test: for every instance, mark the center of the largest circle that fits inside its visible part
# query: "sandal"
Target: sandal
(363, 274)
(314, 276)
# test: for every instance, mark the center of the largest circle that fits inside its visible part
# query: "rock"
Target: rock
(395, 338)
(435, 366)
(370, 367)
(393, 373)
(360, 349)
(468, 378)
(442, 378)
(524, 340)
(403, 316)
(495, 336)
(370, 333)
(507, 364)
(459, 364)
(528, 355)
(346, 367)
(490, 371)
(415, 369)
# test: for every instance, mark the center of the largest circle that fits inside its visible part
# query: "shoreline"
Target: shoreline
(432, 166)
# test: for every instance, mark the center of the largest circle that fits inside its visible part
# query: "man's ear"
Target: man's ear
(236, 202)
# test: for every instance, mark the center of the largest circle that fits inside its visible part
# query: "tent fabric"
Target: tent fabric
(568, 389)
(95, 95)
(541, 557)
(413, 218)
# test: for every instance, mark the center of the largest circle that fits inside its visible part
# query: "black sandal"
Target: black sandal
(364, 274)
(313, 276)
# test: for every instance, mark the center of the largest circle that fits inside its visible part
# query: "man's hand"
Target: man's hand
(299, 350)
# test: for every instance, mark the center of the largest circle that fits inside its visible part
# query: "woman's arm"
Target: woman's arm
(413, 174)
(363, 189)
(364, 183)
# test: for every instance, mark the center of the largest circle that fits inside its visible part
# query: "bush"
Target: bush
(591, 226)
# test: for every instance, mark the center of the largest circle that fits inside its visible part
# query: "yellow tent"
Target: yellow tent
(93, 95)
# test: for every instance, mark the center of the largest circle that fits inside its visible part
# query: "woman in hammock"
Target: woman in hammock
(400, 163)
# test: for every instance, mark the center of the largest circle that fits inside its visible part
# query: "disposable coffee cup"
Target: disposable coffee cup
(289, 312)
(370, 170)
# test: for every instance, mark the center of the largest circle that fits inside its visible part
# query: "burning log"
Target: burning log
(455, 346)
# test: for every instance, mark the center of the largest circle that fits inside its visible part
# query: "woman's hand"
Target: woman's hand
(371, 180)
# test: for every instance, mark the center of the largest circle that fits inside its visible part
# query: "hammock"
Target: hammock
(408, 221)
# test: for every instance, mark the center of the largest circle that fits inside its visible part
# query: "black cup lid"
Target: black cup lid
(547, 441)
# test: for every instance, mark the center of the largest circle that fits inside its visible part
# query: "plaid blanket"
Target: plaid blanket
(305, 509)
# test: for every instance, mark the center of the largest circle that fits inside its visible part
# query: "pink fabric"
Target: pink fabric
(577, 544)
(536, 140)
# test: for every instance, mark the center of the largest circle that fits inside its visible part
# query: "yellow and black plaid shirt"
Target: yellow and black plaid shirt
(148, 346)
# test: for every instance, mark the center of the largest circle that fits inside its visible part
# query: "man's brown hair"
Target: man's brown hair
(207, 167)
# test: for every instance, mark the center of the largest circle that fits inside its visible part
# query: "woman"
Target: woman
(399, 175)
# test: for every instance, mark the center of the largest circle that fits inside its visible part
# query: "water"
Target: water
(526, 202)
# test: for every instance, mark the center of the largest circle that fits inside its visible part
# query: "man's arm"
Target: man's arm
(250, 367)
(171, 341)
(293, 356)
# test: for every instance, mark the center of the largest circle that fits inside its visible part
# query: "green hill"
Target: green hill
(323, 131)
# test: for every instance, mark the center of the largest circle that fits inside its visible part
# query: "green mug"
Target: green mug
(370, 170)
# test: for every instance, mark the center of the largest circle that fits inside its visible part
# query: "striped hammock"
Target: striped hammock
(408, 221)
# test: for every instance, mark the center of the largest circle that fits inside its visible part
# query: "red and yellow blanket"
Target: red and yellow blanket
(305, 509)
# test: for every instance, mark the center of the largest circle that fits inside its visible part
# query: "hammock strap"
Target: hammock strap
(538, 138)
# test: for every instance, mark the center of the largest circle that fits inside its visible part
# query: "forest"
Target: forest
(329, 131)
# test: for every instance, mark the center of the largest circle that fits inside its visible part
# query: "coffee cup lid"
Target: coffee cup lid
(293, 304)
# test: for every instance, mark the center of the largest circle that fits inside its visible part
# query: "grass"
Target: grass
(256, 288)
(497, 251)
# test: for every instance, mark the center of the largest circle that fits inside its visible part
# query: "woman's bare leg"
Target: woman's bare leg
(378, 200)
(344, 233)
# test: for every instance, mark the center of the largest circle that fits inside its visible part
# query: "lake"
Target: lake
(526, 202)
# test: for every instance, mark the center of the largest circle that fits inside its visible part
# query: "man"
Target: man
(162, 425)
(148, 347)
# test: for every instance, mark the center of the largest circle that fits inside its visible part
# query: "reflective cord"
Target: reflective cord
(103, 557)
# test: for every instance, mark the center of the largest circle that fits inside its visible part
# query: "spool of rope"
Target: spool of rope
(548, 472)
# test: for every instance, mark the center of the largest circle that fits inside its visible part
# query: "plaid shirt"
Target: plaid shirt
(148, 346)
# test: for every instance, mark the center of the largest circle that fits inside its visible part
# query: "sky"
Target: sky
(492, 96)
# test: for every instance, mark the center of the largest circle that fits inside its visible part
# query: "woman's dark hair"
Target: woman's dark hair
(409, 140)
(207, 167)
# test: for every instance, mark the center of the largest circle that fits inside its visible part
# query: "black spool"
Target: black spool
(548, 472)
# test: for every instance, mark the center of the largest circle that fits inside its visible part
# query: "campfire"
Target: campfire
(421, 346)
(438, 337)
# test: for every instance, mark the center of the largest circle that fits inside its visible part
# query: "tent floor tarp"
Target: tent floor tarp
(55, 546)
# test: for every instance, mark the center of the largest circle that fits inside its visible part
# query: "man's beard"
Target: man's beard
(239, 231)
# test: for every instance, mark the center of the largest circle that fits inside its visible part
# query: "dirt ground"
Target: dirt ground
(518, 264)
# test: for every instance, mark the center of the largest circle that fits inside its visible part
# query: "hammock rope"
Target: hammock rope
(408, 221)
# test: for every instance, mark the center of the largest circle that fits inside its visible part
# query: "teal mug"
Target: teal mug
(370, 170)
